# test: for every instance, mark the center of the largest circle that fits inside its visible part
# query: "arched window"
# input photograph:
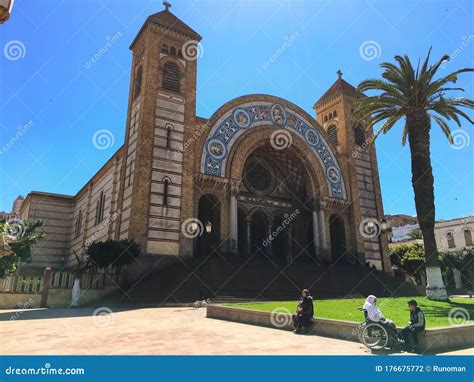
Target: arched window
(171, 77)
(332, 133)
(359, 135)
(166, 184)
(334, 113)
(180, 53)
(325, 118)
(138, 82)
(78, 226)
(468, 237)
(130, 166)
(99, 208)
(164, 49)
(330, 115)
(173, 51)
(168, 136)
(450, 239)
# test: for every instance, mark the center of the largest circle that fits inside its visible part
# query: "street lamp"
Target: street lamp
(5, 10)
(384, 226)
(208, 227)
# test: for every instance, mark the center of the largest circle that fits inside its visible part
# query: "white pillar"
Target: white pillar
(316, 241)
(322, 230)
(233, 223)
(457, 278)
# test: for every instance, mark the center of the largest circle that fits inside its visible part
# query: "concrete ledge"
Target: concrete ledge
(432, 340)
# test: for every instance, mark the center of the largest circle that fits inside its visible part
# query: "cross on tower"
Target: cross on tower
(339, 74)
(167, 6)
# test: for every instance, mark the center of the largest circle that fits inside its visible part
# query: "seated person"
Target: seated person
(416, 324)
(303, 317)
(374, 314)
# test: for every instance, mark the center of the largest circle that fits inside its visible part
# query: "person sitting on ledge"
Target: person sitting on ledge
(303, 317)
(416, 324)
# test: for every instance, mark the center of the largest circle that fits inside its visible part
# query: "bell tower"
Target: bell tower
(162, 105)
(334, 113)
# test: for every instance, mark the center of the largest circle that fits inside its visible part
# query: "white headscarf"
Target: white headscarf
(373, 313)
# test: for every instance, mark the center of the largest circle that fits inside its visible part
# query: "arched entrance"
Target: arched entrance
(209, 220)
(338, 238)
(274, 188)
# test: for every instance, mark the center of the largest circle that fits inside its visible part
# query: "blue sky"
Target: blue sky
(46, 77)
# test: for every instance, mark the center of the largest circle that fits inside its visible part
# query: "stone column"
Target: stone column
(290, 247)
(269, 235)
(322, 230)
(249, 243)
(233, 223)
(316, 242)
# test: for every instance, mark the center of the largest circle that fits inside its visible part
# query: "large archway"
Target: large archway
(255, 113)
(274, 190)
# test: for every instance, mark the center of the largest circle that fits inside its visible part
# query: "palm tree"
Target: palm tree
(418, 98)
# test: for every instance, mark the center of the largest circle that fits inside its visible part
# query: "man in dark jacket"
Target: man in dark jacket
(416, 324)
(303, 317)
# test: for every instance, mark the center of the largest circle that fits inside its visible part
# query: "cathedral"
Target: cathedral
(259, 178)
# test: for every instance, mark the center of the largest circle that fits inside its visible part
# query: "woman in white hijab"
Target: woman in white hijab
(373, 313)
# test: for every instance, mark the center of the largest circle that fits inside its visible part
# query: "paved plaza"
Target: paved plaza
(157, 331)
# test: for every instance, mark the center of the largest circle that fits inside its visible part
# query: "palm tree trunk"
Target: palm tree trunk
(423, 187)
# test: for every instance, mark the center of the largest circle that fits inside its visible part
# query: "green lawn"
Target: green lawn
(437, 313)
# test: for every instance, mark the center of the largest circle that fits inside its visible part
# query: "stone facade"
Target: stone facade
(186, 186)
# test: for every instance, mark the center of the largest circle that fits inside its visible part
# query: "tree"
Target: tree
(102, 255)
(17, 238)
(415, 234)
(409, 259)
(418, 98)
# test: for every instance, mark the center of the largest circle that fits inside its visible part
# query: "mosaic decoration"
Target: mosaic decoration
(254, 114)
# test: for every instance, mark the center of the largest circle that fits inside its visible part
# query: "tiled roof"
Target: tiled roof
(340, 86)
(168, 20)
